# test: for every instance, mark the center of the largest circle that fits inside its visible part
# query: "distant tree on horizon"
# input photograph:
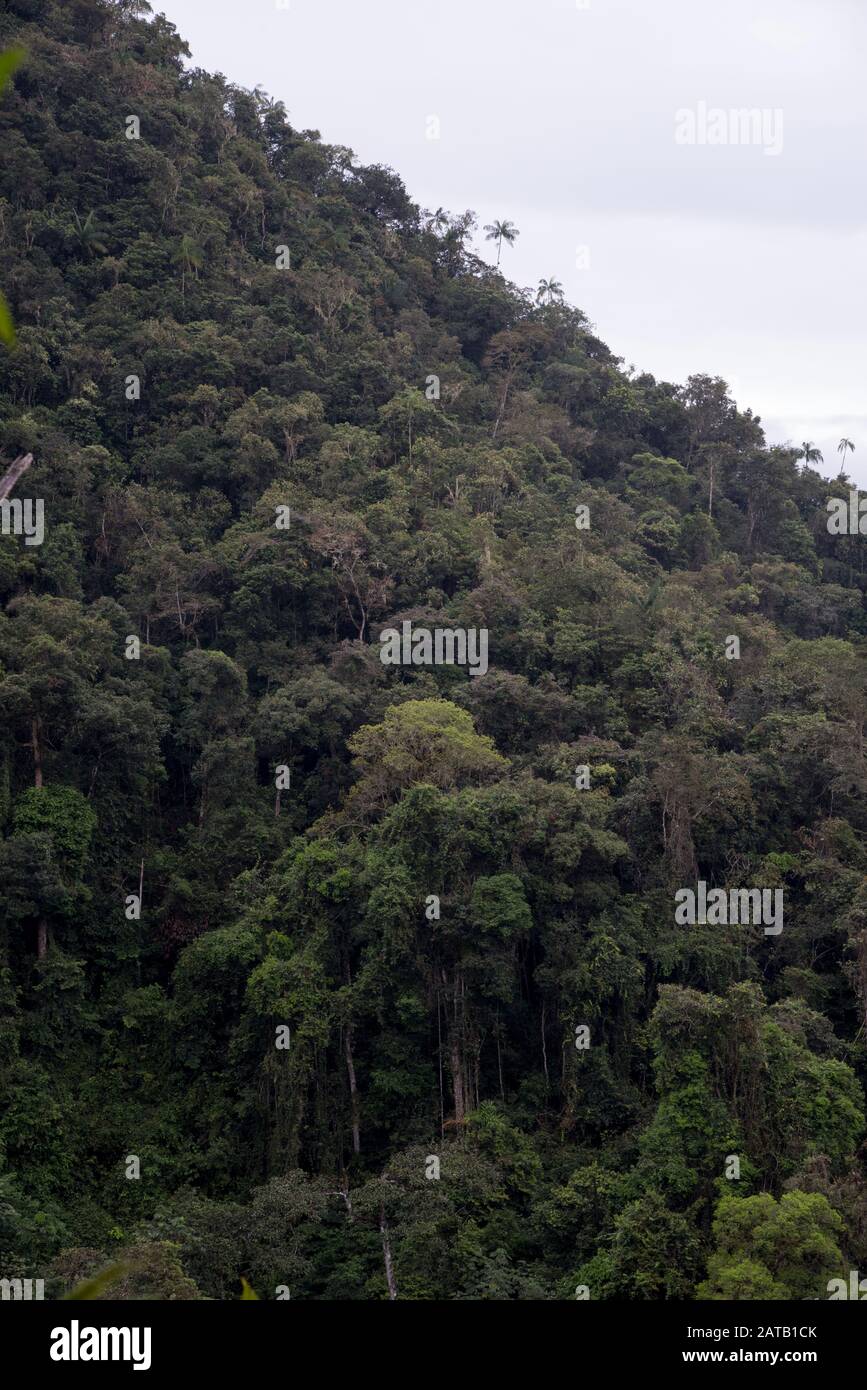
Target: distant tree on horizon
(548, 291)
(500, 232)
(841, 450)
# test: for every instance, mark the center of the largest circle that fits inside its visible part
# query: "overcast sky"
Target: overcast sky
(741, 260)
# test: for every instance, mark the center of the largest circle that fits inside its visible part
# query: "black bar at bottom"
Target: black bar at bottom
(230, 1339)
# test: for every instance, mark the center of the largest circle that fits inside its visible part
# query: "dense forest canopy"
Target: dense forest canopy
(362, 980)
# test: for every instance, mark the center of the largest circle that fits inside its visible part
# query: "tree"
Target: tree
(429, 741)
(500, 232)
(809, 453)
(416, 1021)
(55, 653)
(438, 221)
(655, 1253)
(509, 354)
(66, 820)
(346, 545)
(775, 1250)
(327, 292)
(189, 257)
(87, 235)
(548, 291)
(712, 417)
(842, 447)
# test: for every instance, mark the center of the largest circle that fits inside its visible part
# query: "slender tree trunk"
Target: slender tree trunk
(353, 1090)
(386, 1255)
(500, 1058)
(502, 408)
(440, 1060)
(455, 1058)
(140, 901)
(347, 1200)
(41, 937)
(751, 516)
(36, 745)
(350, 1071)
(457, 1078)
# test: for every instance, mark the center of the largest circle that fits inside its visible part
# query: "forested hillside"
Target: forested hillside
(363, 980)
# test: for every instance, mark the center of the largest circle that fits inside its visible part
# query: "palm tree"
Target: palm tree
(841, 450)
(438, 222)
(548, 291)
(88, 235)
(809, 453)
(189, 258)
(500, 232)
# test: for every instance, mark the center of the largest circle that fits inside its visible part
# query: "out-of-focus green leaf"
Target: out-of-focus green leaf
(7, 327)
(92, 1288)
(9, 61)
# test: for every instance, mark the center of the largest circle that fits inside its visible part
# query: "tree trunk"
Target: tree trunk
(440, 1062)
(353, 1090)
(36, 745)
(386, 1256)
(503, 400)
(457, 1077)
(41, 938)
(500, 1058)
(455, 1058)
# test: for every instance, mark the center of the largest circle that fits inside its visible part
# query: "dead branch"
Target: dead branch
(21, 465)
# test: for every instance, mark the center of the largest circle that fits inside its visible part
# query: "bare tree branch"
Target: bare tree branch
(21, 465)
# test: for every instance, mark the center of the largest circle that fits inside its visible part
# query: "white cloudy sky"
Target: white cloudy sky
(561, 118)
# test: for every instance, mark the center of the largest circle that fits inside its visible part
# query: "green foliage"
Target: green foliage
(428, 900)
(62, 814)
(768, 1249)
(421, 740)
